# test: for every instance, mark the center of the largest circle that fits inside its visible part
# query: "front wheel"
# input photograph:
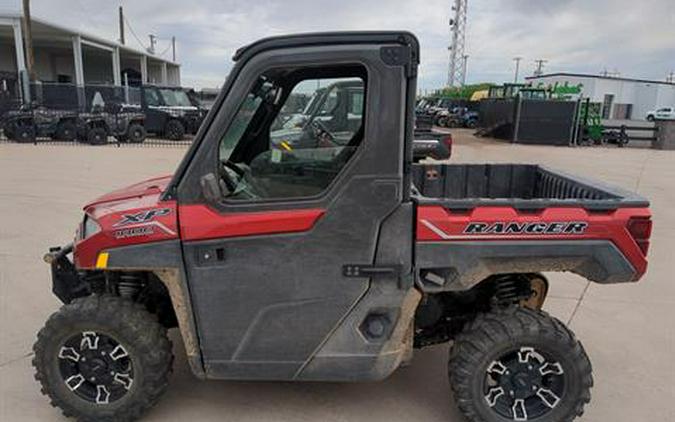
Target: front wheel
(174, 130)
(66, 131)
(97, 136)
(103, 358)
(519, 364)
(136, 133)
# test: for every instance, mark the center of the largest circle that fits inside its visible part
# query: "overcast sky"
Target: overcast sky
(635, 38)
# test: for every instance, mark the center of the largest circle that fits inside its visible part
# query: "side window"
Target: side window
(152, 97)
(276, 149)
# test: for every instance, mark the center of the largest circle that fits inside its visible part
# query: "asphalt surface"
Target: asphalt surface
(627, 329)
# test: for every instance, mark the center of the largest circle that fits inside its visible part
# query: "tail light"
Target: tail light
(640, 228)
(447, 141)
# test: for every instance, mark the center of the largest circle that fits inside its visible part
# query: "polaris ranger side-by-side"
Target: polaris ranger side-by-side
(169, 111)
(332, 262)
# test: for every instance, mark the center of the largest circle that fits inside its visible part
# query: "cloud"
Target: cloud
(637, 38)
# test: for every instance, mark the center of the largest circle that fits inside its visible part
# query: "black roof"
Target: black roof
(324, 38)
(582, 75)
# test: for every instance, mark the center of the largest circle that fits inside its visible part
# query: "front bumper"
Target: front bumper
(66, 282)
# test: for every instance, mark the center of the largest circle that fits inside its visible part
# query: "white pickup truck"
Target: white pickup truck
(663, 113)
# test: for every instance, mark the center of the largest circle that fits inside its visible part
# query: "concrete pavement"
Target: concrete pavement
(626, 329)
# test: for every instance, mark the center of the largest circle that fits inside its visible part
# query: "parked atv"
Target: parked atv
(457, 117)
(126, 126)
(28, 123)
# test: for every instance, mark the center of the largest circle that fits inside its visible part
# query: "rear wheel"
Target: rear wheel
(9, 131)
(519, 364)
(66, 131)
(97, 136)
(136, 133)
(103, 358)
(174, 130)
(24, 133)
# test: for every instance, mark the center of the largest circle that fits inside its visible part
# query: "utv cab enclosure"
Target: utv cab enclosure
(170, 112)
(332, 261)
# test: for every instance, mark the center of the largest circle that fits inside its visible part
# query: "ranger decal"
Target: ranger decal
(574, 227)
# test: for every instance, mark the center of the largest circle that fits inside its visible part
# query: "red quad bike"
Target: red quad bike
(336, 261)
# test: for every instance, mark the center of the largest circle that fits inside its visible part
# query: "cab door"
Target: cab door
(272, 236)
(154, 116)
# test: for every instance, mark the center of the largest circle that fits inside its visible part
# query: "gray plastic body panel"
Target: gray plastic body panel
(522, 186)
(165, 259)
(463, 264)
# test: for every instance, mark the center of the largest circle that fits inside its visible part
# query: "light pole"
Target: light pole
(517, 60)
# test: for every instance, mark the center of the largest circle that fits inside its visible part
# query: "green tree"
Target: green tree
(464, 92)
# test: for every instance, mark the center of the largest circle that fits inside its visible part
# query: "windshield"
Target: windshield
(175, 98)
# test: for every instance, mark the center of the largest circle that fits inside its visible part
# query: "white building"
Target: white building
(621, 98)
(66, 55)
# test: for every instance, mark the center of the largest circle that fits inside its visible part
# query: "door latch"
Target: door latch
(366, 271)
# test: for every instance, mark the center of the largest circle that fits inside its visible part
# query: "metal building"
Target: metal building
(69, 56)
(619, 98)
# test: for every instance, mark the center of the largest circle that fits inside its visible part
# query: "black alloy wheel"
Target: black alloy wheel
(24, 133)
(96, 367)
(97, 136)
(519, 364)
(66, 131)
(103, 359)
(174, 130)
(523, 384)
(136, 133)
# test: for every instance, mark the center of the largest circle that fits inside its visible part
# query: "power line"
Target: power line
(164, 51)
(131, 29)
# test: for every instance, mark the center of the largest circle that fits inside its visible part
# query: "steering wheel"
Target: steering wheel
(236, 180)
(322, 133)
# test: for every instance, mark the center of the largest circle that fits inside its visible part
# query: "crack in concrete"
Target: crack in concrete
(17, 359)
(578, 305)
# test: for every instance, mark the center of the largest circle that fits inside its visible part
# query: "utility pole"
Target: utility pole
(28, 38)
(517, 60)
(540, 67)
(173, 49)
(456, 48)
(153, 40)
(121, 25)
(671, 77)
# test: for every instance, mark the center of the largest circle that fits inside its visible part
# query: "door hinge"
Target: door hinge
(367, 271)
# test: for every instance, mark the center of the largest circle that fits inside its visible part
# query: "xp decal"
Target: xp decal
(574, 227)
(141, 217)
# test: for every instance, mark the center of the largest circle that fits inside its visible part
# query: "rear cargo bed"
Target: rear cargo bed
(519, 185)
